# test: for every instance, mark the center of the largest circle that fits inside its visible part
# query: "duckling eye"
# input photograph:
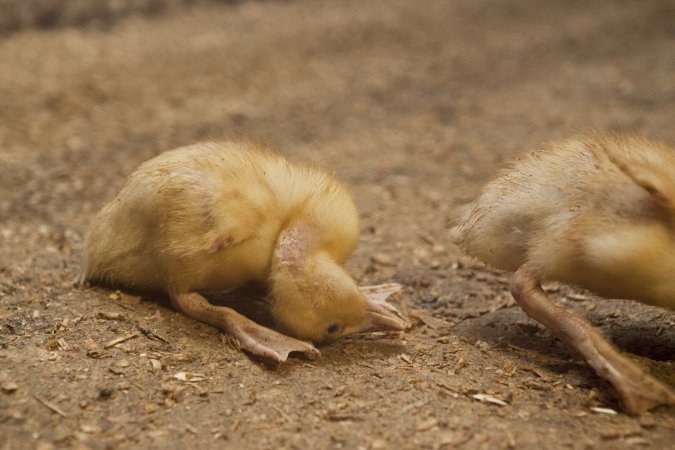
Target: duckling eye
(333, 328)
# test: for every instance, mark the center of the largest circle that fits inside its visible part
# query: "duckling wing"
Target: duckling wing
(651, 165)
(209, 214)
(626, 259)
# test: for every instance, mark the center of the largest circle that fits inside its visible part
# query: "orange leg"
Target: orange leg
(637, 390)
(254, 338)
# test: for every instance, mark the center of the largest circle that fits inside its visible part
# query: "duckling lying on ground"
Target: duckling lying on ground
(595, 211)
(214, 216)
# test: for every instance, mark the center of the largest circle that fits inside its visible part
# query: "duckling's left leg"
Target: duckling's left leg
(254, 338)
(637, 390)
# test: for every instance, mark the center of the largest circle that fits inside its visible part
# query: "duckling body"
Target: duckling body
(214, 216)
(189, 213)
(595, 211)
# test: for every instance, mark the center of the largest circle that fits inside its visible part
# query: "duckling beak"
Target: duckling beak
(382, 316)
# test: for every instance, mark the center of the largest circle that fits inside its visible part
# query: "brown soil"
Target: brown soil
(414, 105)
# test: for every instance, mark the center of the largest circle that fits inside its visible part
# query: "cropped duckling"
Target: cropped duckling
(214, 216)
(596, 211)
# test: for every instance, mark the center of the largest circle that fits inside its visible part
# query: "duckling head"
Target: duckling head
(316, 300)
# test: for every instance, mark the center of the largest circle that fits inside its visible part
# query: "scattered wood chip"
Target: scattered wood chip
(230, 341)
(111, 315)
(51, 345)
(412, 406)
(647, 420)
(63, 345)
(124, 306)
(459, 365)
(634, 441)
(427, 424)
(551, 286)
(383, 259)
(151, 334)
(620, 432)
(9, 386)
(482, 346)
(156, 316)
(502, 303)
(379, 444)
(150, 408)
(339, 417)
(62, 434)
(90, 428)
(405, 358)
(51, 406)
(252, 399)
(428, 320)
(191, 377)
(156, 365)
(509, 369)
(604, 410)
(489, 399)
(176, 357)
(577, 297)
(131, 299)
(235, 425)
(119, 340)
(95, 352)
(180, 376)
(282, 413)
(455, 438)
(539, 373)
(447, 388)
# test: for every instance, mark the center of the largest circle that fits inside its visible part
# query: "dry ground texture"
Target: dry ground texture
(415, 105)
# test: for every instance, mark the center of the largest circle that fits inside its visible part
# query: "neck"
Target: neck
(291, 251)
(301, 266)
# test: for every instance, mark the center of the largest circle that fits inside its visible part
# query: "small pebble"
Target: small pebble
(427, 424)
(105, 392)
(9, 386)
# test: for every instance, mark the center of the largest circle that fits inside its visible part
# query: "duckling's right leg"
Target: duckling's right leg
(254, 338)
(637, 390)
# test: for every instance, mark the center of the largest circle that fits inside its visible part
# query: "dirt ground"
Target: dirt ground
(415, 105)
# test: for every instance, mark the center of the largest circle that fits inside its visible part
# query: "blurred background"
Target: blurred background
(20, 14)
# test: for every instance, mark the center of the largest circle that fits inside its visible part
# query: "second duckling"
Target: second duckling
(596, 211)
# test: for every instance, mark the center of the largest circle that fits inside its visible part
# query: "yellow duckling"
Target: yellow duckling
(214, 216)
(596, 211)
